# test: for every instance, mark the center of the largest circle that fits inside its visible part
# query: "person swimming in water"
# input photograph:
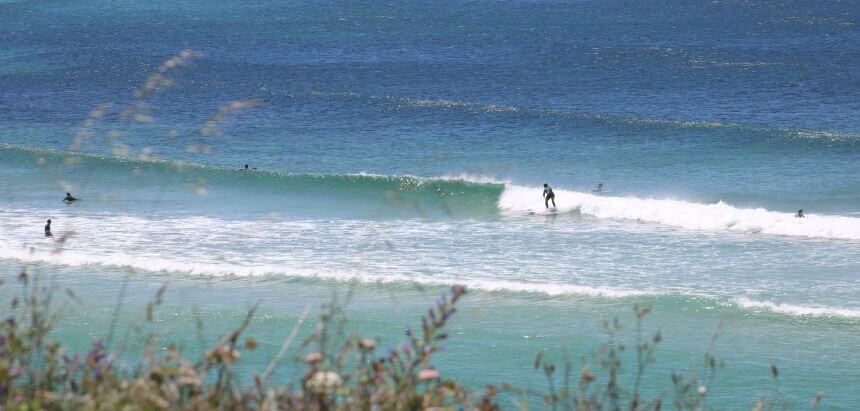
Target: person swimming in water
(69, 198)
(548, 195)
(799, 214)
(48, 229)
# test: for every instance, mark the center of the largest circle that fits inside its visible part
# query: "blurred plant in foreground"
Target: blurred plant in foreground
(340, 372)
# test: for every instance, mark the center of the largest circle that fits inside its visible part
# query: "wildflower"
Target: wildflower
(703, 390)
(428, 374)
(16, 371)
(313, 357)
(224, 354)
(457, 291)
(367, 344)
(188, 378)
(324, 382)
(586, 374)
(407, 347)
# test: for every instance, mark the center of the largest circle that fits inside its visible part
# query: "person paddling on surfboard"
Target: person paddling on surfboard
(69, 198)
(548, 195)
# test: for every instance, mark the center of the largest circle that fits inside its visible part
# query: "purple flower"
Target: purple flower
(407, 347)
(16, 371)
(2, 340)
(456, 292)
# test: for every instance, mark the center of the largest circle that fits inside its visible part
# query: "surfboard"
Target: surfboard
(552, 210)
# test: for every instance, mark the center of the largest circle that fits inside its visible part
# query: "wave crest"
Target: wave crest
(710, 217)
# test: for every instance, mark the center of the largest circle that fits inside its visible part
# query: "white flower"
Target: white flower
(324, 382)
(313, 357)
(428, 374)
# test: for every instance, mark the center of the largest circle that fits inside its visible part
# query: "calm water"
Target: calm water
(404, 145)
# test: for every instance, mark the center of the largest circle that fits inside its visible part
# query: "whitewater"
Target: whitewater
(392, 250)
(467, 194)
(719, 216)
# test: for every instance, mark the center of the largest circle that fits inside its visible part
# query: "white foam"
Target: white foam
(77, 259)
(713, 217)
(473, 178)
(551, 289)
(798, 310)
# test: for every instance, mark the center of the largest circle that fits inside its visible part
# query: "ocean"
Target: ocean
(396, 148)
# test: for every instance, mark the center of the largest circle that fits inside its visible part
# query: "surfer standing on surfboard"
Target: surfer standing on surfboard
(548, 195)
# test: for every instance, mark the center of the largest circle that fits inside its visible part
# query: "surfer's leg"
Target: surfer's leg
(546, 202)
(553, 201)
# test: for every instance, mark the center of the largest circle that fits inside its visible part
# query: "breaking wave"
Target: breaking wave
(463, 195)
(696, 216)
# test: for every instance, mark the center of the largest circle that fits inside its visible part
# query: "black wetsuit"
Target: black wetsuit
(548, 195)
(48, 230)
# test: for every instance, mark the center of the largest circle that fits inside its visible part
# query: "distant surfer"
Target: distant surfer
(247, 168)
(799, 214)
(548, 195)
(69, 199)
(48, 229)
(599, 188)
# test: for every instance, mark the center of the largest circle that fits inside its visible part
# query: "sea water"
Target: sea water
(397, 148)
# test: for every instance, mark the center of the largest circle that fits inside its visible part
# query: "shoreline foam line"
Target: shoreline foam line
(149, 264)
(482, 284)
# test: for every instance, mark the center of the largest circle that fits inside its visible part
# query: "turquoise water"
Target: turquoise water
(402, 148)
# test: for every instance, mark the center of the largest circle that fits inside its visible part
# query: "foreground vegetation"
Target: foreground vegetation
(338, 372)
